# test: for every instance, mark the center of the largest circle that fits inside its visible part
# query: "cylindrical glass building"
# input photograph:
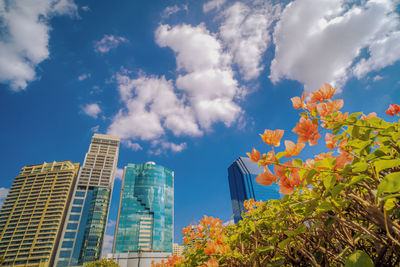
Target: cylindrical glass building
(146, 209)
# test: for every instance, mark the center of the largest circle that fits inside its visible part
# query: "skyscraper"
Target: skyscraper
(242, 184)
(146, 209)
(84, 230)
(34, 212)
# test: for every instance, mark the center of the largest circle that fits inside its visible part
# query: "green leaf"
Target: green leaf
(386, 164)
(280, 155)
(310, 175)
(390, 204)
(360, 167)
(337, 127)
(329, 222)
(390, 183)
(252, 227)
(329, 181)
(283, 243)
(337, 189)
(300, 230)
(359, 259)
(357, 179)
(298, 162)
(353, 117)
(355, 132)
(325, 206)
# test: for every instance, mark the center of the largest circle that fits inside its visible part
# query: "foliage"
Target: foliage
(340, 208)
(103, 263)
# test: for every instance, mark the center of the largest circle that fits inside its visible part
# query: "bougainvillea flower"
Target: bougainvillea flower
(342, 159)
(272, 138)
(309, 164)
(325, 92)
(212, 262)
(268, 159)
(186, 230)
(289, 178)
(211, 248)
(326, 109)
(393, 109)
(293, 149)
(298, 102)
(369, 116)
(329, 141)
(254, 156)
(265, 178)
(307, 131)
(323, 156)
(341, 116)
(310, 106)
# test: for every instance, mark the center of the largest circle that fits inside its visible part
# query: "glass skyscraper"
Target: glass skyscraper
(242, 184)
(84, 229)
(146, 210)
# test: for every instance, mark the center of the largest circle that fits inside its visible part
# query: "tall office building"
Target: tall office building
(84, 230)
(34, 212)
(145, 214)
(242, 184)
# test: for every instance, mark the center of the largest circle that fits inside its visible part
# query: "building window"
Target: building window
(74, 217)
(69, 235)
(80, 193)
(78, 201)
(67, 244)
(76, 209)
(72, 226)
(65, 253)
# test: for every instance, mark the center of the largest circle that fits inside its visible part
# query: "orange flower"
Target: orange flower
(369, 116)
(323, 156)
(265, 178)
(293, 149)
(311, 106)
(268, 159)
(307, 131)
(211, 248)
(341, 116)
(272, 138)
(393, 109)
(187, 230)
(325, 92)
(298, 102)
(212, 262)
(326, 109)
(309, 164)
(342, 159)
(330, 142)
(287, 184)
(254, 156)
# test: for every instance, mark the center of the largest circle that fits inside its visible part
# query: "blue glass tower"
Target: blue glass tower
(146, 209)
(242, 184)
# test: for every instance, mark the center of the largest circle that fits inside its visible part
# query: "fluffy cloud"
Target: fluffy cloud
(92, 110)
(170, 10)
(131, 145)
(204, 92)
(319, 41)
(84, 76)
(3, 195)
(213, 4)
(108, 42)
(208, 80)
(163, 146)
(119, 173)
(25, 37)
(245, 31)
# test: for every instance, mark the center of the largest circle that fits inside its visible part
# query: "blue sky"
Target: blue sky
(187, 84)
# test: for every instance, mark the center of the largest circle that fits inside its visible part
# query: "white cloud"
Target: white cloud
(245, 31)
(170, 10)
(119, 173)
(205, 91)
(25, 37)
(319, 41)
(213, 4)
(163, 146)
(108, 42)
(208, 81)
(150, 106)
(132, 146)
(85, 8)
(92, 110)
(95, 129)
(84, 76)
(377, 78)
(3, 195)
